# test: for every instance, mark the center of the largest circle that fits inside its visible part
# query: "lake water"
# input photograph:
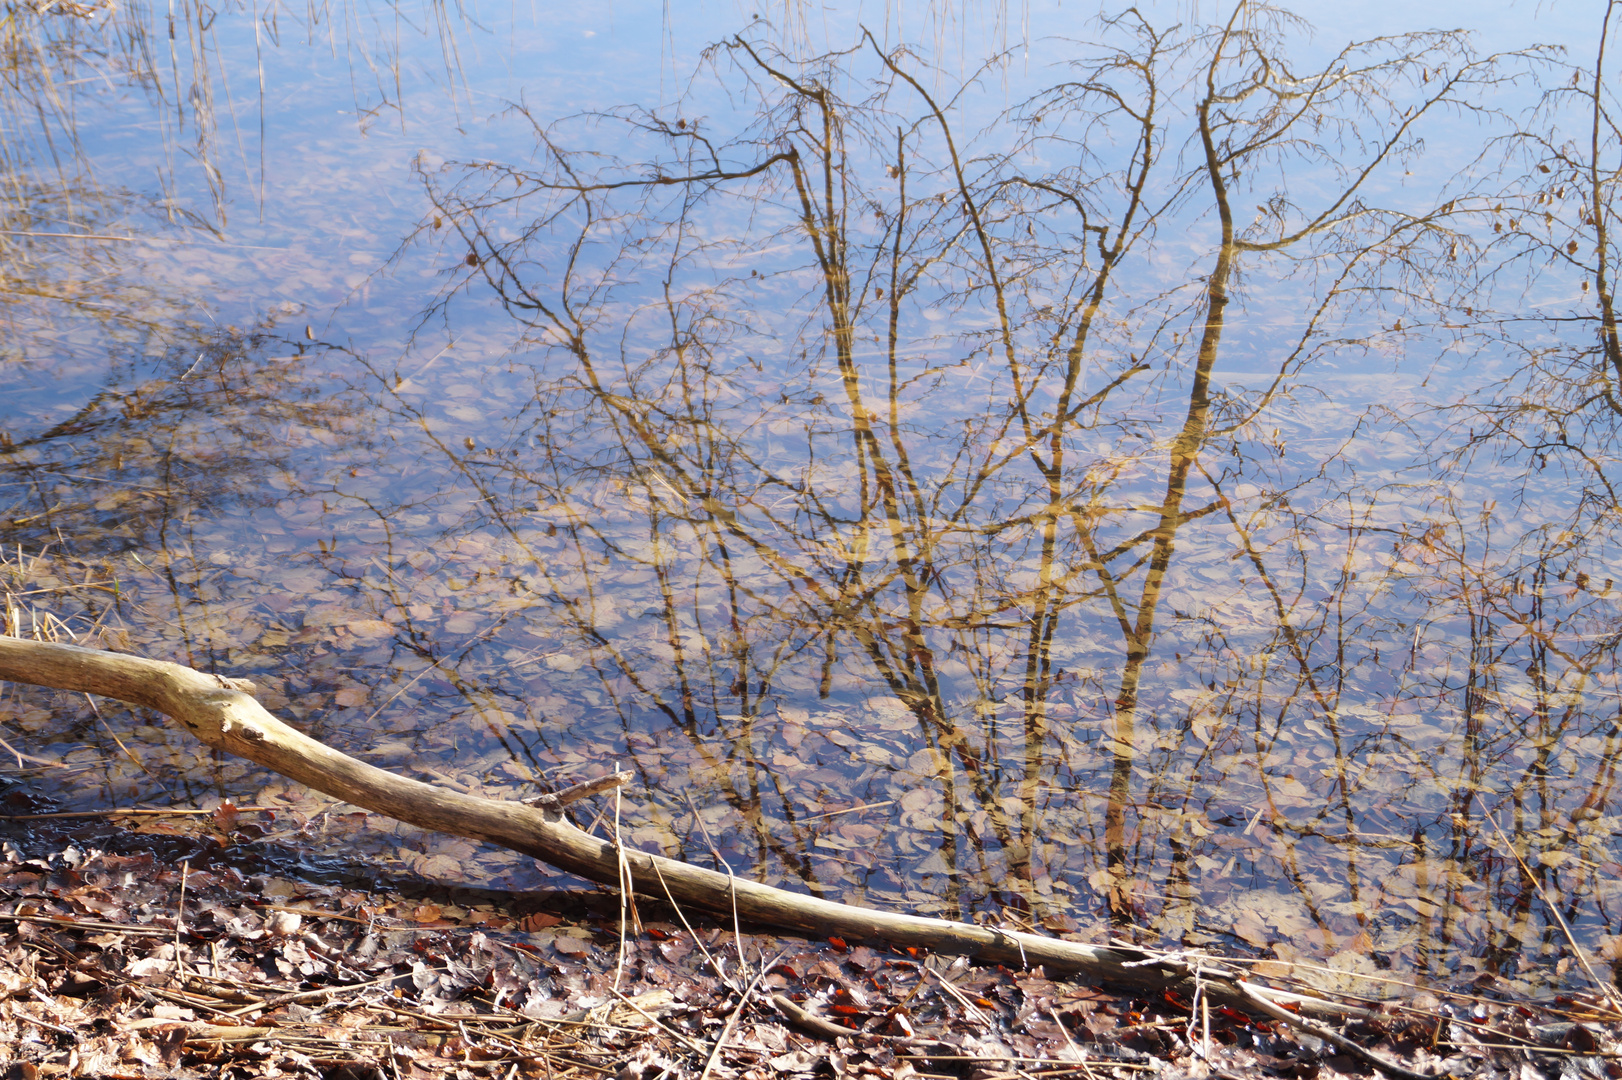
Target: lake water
(885, 453)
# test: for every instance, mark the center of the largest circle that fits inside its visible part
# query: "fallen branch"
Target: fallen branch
(222, 713)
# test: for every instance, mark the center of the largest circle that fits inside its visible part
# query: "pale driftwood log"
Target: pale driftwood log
(218, 712)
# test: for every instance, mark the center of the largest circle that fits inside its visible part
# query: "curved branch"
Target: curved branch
(222, 713)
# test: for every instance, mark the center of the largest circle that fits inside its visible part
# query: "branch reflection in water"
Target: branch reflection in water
(1014, 485)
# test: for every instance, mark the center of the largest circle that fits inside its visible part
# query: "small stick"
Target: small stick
(625, 883)
(732, 1021)
(910, 1044)
(22, 757)
(850, 810)
(180, 919)
(715, 967)
(59, 1029)
(656, 1022)
(810, 1021)
(1253, 1000)
(89, 924)
(969, 1007)
(126, 813)
(732, 889)
(1081, 1055)
(557, 800)
(1205, 1017)
(139, 764)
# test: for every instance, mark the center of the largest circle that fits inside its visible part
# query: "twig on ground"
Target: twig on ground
(732, 1021)
(732, 887)
(1256, 1001)
(176, 811)
(810, 1021)
(709, 959)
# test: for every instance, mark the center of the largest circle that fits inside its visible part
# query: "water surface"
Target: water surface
(942, 482)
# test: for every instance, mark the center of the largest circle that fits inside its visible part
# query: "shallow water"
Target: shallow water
(1031, 594)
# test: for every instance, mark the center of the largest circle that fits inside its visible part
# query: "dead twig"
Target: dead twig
(557, 800)
(732, 1021)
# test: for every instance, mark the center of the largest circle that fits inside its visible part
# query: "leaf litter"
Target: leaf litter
(182, 950)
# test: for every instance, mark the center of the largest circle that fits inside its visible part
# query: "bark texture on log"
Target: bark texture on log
(219, 712)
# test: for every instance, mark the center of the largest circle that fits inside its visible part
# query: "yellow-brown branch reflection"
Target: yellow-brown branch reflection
(910, 530)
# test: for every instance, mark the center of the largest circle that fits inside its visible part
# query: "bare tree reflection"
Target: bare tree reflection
(741, 353)
(1512, 564)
